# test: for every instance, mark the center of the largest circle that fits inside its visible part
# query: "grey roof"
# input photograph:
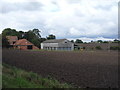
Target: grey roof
(54, 41)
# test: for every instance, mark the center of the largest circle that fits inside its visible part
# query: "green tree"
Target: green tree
(92, 41)
(72, 41)
(34, 37)
(78, 41)
(105, 42)
(36, 42)
(116, 41)
(42, 39)
(51, 37)
(100, 41)
(37, 32)
(11, 32)
(5, 43)
(21, 34)
(29, 35)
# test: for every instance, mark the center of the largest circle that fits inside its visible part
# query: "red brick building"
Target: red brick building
(21, 44)
(24, 44)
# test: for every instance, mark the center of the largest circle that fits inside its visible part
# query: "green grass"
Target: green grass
(13, 77)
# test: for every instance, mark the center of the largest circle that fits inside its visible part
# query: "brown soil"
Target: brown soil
(98, 69)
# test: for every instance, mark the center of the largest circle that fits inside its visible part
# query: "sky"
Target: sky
(71, 19)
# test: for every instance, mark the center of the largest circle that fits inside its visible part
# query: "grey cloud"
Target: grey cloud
(55, 3)
(60, 22)
(24, 6)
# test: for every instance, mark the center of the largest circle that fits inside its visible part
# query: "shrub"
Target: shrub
(98, 48)
(115, 48)
(83, 47)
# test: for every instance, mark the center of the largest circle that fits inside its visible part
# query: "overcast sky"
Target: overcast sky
(84, 19)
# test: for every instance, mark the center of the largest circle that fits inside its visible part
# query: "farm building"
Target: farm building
(57, 44)
(21, 44)
(12, 39)
(24, 44)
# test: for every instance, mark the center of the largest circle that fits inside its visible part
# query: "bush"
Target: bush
(83, 47)
(115, 48)
(98, 48)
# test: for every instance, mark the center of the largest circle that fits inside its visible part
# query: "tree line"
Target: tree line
(35, 37)
(32, 35)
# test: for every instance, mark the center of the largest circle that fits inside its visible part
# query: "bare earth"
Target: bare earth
(94, 69)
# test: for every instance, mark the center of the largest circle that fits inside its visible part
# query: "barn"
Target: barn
(24, 44)
(57, 44)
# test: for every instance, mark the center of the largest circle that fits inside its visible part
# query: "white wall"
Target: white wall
(41, 45)
(49, 45)
(62, 45)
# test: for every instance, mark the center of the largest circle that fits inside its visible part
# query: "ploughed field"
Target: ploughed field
(95, 69)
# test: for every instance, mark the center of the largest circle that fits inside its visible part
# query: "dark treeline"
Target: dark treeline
(98, 41)
(32, 35)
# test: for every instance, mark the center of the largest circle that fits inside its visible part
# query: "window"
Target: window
(13, 42)
(29, 47)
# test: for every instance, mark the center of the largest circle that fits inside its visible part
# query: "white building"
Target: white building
(57, 44)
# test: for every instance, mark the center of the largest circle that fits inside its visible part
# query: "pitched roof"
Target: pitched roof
(12, 38)
(23, 42)
(54, 41)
